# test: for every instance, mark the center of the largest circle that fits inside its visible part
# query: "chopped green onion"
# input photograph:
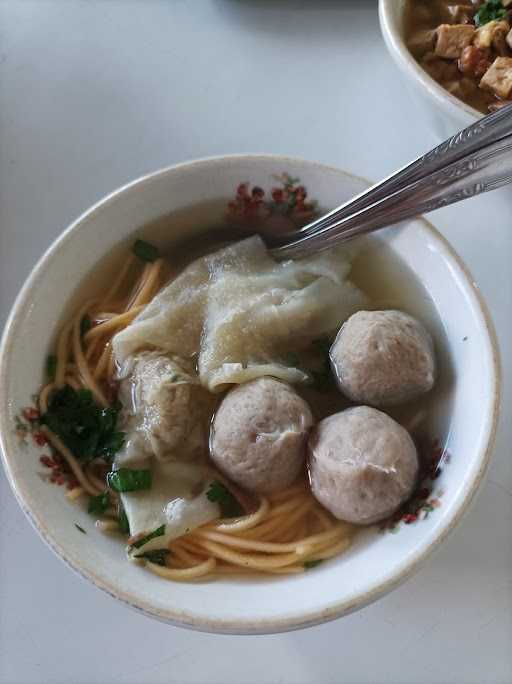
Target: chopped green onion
(88, 430)
(321, 379)
(158, 556)
(489, 11)
(51, 366)
(124, 525)
(159, 532)
(80, 529)
(128, 480)
(85, 325)
(323, 344)
(229, 506)
(292, 359)
(311, 564)
(99, 504)
(145, 251)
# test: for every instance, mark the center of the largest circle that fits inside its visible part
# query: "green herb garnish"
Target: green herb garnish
(124, 525)
(323, 345)
(322, 378)
(229, 506)
(85, 325)
(311, 564)
(292, 359)
(158, 556)
(51, 366)
(489, 11)
(80, 529)
(88, 430)
(145, 251)
(99, 504)
(128, 480)
(159, 532)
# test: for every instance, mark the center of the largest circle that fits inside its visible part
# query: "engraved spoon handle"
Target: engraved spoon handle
(475, 160)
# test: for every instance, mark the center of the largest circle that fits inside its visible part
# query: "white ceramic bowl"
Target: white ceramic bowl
(377, 562)
(444, 112)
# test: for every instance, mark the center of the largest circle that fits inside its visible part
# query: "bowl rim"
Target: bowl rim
(236, 626)
(404, 59)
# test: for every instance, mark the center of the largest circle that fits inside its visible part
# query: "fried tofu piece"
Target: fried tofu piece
(498, 77)
(490, 32)
(452, 39)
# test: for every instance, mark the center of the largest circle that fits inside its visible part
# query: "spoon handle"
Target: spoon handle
(486, 130)
(487, 168)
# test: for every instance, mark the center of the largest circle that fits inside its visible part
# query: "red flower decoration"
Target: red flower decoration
(243, 190)
(278, 195)
(39, 438)
(31, 414)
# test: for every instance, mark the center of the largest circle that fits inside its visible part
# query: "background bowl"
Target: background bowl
(197, 194)
(445, 113)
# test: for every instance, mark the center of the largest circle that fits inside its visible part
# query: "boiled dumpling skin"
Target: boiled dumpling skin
(237, 310)
(177, 500)
(166, 411)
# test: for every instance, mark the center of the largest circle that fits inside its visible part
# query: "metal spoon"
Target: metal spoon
(475, 160)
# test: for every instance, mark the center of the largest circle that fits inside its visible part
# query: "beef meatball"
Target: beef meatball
(363, 465)
(258, 435)
(383, 358)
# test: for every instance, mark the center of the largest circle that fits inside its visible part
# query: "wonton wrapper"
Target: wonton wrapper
(240, 312)
(177, 499)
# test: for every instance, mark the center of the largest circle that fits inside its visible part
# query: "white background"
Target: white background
(94, 94)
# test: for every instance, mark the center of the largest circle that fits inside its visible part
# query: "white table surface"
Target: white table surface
(93, 94)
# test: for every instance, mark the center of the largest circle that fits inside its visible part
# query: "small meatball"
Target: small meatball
(363, 465)
(258, 436)
(452, 39)
(498, 78)
(383, 358)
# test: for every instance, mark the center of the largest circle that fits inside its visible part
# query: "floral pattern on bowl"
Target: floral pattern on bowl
(287, 208)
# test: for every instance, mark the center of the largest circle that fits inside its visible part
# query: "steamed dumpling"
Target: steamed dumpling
(166, 419)
(238, 309)
(166, 410)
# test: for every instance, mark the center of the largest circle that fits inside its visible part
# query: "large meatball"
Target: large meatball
(258, 435)
(383, 358)
(363, 465)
